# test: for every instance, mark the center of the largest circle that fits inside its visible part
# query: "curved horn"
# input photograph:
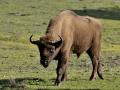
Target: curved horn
(33, 42)
(57, 43)
(61, 40)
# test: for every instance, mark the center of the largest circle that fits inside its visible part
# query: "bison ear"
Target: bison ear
(57, 43)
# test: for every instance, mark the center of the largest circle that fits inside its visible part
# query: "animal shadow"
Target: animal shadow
(105, 13)
(19, 83)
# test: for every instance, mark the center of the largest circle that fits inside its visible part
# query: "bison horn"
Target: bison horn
(57, 43)
(34, 42)
(61, 40)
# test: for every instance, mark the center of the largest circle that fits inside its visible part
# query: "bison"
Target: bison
(70, 33)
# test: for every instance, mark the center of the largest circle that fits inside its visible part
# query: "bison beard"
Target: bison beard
(66, 33)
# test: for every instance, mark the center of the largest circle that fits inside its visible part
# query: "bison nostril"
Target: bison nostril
(46, 62)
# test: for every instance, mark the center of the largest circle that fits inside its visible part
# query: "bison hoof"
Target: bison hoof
(92, 78)
(57, 83)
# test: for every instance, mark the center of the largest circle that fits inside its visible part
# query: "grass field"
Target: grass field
(19, 60)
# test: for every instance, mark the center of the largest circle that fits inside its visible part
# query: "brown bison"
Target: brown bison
(67, 33)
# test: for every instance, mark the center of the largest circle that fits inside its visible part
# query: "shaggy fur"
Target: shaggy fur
(79, 34)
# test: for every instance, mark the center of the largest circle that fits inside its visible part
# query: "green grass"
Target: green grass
(19, 60)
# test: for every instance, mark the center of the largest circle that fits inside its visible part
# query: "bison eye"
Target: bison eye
(51, 50)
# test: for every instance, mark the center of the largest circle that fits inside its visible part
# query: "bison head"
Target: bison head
(48, 48)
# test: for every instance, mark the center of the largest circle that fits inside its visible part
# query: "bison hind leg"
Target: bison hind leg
(96, 64)
(78, 55)
(99, 71)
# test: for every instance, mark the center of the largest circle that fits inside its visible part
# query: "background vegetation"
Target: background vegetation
(19, 60)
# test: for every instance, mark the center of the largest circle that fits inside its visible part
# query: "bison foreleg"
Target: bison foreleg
(61, 71)
(64, 76)
(59, 76)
